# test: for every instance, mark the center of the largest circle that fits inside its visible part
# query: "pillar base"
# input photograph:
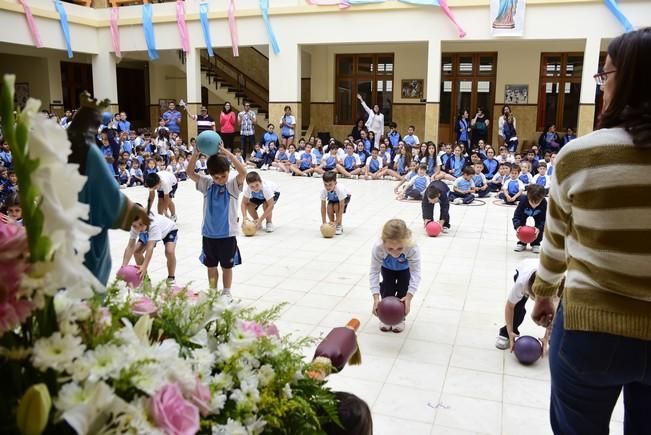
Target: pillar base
(586, 119)
(191, 125)
(431, 122)
(277, 110)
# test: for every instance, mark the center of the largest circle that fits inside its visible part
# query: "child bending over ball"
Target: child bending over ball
(334, 202)
(397, 259)
(514, 311)
(165, 184)
(437, 192)
(143, 240)
(533, 205)
(257, 192)
(220, 216)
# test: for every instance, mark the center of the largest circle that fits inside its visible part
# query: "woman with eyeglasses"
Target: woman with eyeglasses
(597, 236)
(227, 124)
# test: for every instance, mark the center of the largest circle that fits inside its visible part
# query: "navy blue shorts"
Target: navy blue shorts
(161, 194)
(172, 237)
(345, 201)
(222, 252)
(258, 202)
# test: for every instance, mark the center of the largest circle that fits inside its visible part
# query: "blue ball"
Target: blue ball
(106, 118)
(208, 142)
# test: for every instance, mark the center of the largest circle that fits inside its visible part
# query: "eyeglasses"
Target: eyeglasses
(602, 77)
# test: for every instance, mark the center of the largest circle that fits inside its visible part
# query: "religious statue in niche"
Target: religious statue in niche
(505, 18)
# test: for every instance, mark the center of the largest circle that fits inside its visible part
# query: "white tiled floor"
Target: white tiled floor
(442, 375)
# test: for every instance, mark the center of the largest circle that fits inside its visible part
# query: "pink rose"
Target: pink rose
(272, 330)
(191, 295)
(13, 312)
(172, 413)
(13, 242)
(201, 397)
(258, 330)
(143, 306)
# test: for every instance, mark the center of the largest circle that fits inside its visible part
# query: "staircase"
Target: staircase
(228, 83)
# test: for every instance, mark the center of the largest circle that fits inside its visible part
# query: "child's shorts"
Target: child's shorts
(258, 202)
(171, 237)
(161, 194)
(222, 252)
(345, 201)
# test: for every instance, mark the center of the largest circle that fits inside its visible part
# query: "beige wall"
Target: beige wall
(249, 62)
(30, 70)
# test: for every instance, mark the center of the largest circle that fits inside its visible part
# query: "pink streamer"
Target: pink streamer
(36, 37)
(115, 31)
(446, 10)
(232, 26)
(183, 30)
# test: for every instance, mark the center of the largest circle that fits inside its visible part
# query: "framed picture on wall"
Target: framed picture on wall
(516, 94)
(22, 94)
(412, 88)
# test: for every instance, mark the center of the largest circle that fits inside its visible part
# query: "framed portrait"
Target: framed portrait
(21, 94)
(516, 94)
(412, 88)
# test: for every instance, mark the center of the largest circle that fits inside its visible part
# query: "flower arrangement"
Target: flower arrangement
(146, 360)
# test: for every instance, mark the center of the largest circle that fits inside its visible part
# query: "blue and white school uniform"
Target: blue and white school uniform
(201, 167)
(318, 155)
(160, 228)
(306, 160)
(394, 138)
(400, 163)
(525, 177)
(282, 156)
(269, 191)
(339, 195)
(400, 275)
(351, 162)
(541, 180)
(291, 157)
(411, 140)
(491, 166)
(416, 186)
(329, 162)
(480, 181)
(363, 156)
(374, 165)
(512, 187)
(463, 185)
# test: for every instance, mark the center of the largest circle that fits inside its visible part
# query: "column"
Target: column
(285, 86)
(105, 79)
(193, 90)
(588, 87)
(433, 91)
(54, 81)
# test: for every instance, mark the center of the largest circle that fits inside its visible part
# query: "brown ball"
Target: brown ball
(249, 229)
(327, 231)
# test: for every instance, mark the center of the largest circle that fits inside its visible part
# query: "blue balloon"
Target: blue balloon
(208, 142)
(106, 118)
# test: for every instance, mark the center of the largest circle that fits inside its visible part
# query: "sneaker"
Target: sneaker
(399, 327)
(339, 230)
(520, 247)
(173, 217)
(502, 342)
(445, 230)
(269, 228)
(384, 327)
(355, 177)
(227, 294)
(170, 282)
(264, 167)
(535, 249)
(457, 201)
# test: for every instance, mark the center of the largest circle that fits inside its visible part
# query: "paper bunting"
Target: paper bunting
(33, 30)
(203, 16)
(148, 28)
(183, 30)
(264, 7)
(115, 31)
(617, 12)
(63, 18)
(232, 26)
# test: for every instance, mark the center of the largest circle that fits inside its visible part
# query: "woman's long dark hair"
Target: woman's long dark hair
(230, 107)
(630, 105)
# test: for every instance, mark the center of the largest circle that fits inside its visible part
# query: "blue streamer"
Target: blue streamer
(264, 7)
(148, 27)
(203, 15)
(63, 19)
(617, 12)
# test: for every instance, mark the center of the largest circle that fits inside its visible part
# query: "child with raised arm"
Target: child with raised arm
(256, 193)
(220, 215)
(397, 259)
(334, 202)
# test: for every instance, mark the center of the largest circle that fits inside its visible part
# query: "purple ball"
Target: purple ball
(391, 310)
(527, 349)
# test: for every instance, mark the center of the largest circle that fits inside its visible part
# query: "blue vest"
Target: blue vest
(331, 162)
(374, 165)
(541, 181)
(292, 158)
(394, 138)
(349, 162)
(306, 160)
(409, 140)
(392, 263)
(318, 155)
(524, 178)
(513, 187)
(477, 180)
(491, 166)
(431, 165)
(420, 184)
(282, 156)
(215, 218)
(402, 165)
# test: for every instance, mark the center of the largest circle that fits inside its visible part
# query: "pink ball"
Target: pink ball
(526, 234)
(130, 275)
(433, 228)
(391, 311)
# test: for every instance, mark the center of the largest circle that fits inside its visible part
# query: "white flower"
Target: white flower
(142, 329)
(222, 381)
(203, 361)
(90, 415)
(129, 418)
(255, 426)
(71, 395)
(102, 363)
(150, 377)
(56, 352)
(217, 402)
(287, 391)
(231, 427)
(266, 374)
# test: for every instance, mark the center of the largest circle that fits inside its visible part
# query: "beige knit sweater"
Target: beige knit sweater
(598, 231)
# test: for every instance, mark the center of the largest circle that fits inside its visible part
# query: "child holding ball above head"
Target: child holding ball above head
(165, 184)
(143, 240)
(220, 216)
(533, 205)
(334, 202)
(397, 260)
(257, 192)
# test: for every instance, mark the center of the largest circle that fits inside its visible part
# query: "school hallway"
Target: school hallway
(443, 374)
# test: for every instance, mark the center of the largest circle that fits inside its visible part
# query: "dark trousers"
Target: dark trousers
(413, 193)
(228, 140)
(503, 198)
(444, 203)
(483, 193)
(246, 143)
(394, 283)
(535, 242)
(267, 158)
(467, 198)
(588, 371)
(519, 311)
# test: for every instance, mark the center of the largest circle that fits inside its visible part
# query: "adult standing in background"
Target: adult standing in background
(507, 130)
(227, 124)
(463, 129)
(172, 118)
(598, 231)
(479, 126)
(205, 122)
(374, 122)
(247, 120)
